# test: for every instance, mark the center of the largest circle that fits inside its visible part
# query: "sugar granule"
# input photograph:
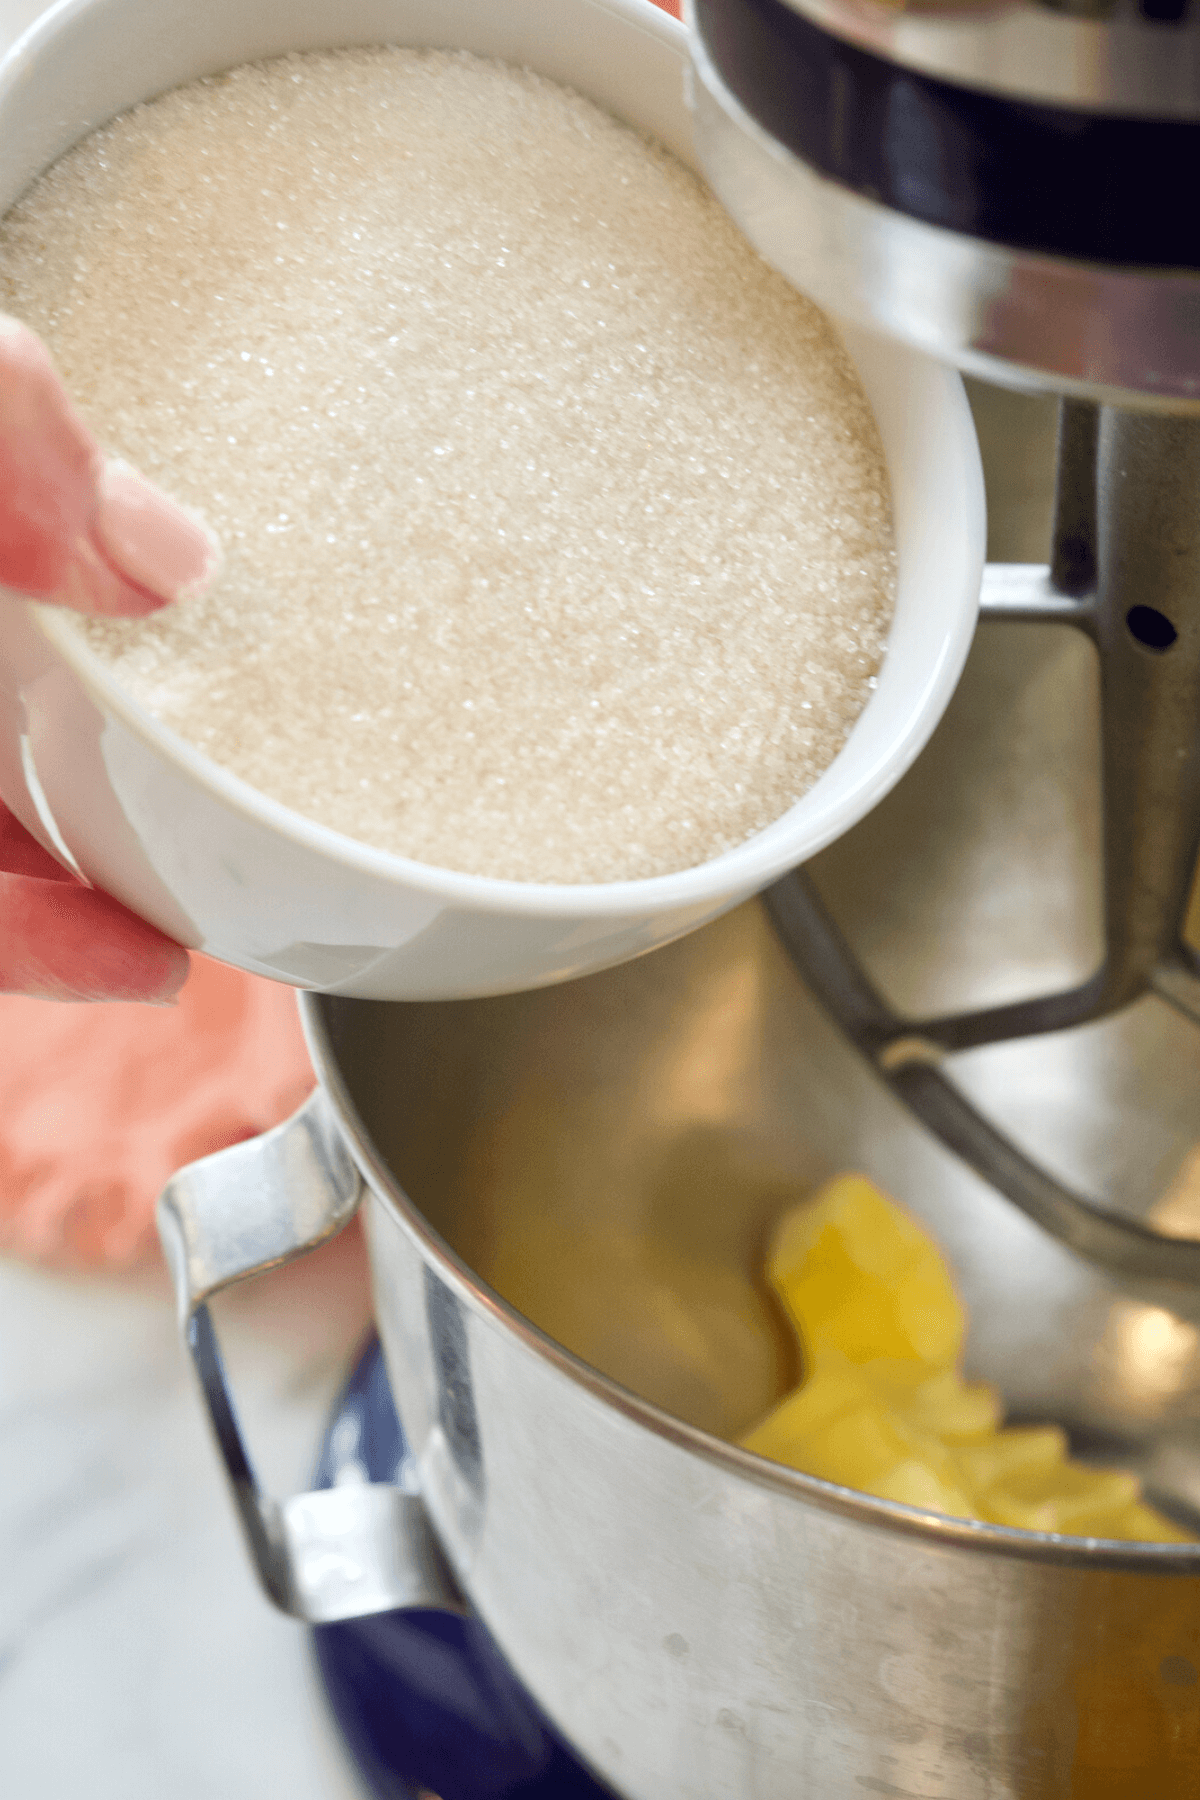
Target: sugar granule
(557, 530)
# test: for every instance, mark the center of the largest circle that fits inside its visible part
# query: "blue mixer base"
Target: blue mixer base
(425, 1701)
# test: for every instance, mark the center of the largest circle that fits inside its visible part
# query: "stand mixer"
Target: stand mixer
(1001, 185)
(696, 1621)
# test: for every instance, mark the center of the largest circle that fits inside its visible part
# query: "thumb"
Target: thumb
(149, 539)
(76, 527)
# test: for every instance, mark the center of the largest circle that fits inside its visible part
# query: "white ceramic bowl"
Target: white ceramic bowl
(229, 872)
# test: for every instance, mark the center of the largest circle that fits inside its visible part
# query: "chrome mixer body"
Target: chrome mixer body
(1008, 187)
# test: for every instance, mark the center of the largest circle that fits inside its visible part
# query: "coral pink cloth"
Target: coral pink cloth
(101, 1102)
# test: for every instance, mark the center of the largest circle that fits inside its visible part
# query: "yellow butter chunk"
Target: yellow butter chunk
(838, 1427)
(883, 1407)
(858, 1276)
(943, 1404)
(1007, 1455)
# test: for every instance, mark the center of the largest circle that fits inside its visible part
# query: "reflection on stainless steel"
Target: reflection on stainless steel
(1152, 1354)
(1122, 334)
(1178, 1211)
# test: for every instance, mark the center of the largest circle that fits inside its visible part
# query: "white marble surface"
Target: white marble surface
(137, 1657)
(138, 1660)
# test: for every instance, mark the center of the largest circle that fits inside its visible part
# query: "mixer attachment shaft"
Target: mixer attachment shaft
(1125, 570)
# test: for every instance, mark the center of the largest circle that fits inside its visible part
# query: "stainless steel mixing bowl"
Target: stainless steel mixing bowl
(568, 1195)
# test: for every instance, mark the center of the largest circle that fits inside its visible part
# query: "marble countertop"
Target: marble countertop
(138, 1659)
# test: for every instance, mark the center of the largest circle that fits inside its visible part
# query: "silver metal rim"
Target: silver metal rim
(1124, 337)
(1126, 65)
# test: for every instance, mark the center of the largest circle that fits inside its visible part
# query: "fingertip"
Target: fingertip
(155, 542)
(92, 586)
(21, 349)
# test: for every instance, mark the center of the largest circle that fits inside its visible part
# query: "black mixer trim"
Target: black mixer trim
(1044, 178)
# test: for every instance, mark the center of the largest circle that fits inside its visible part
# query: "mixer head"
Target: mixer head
(1007, 184)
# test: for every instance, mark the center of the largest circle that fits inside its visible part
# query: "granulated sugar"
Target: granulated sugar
(557, 532)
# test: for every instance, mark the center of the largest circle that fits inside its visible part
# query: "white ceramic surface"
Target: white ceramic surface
(222, 869)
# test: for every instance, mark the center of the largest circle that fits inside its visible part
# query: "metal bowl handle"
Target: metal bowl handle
(343, 1552)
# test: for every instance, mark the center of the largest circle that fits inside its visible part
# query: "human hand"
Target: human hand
(79, 529)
